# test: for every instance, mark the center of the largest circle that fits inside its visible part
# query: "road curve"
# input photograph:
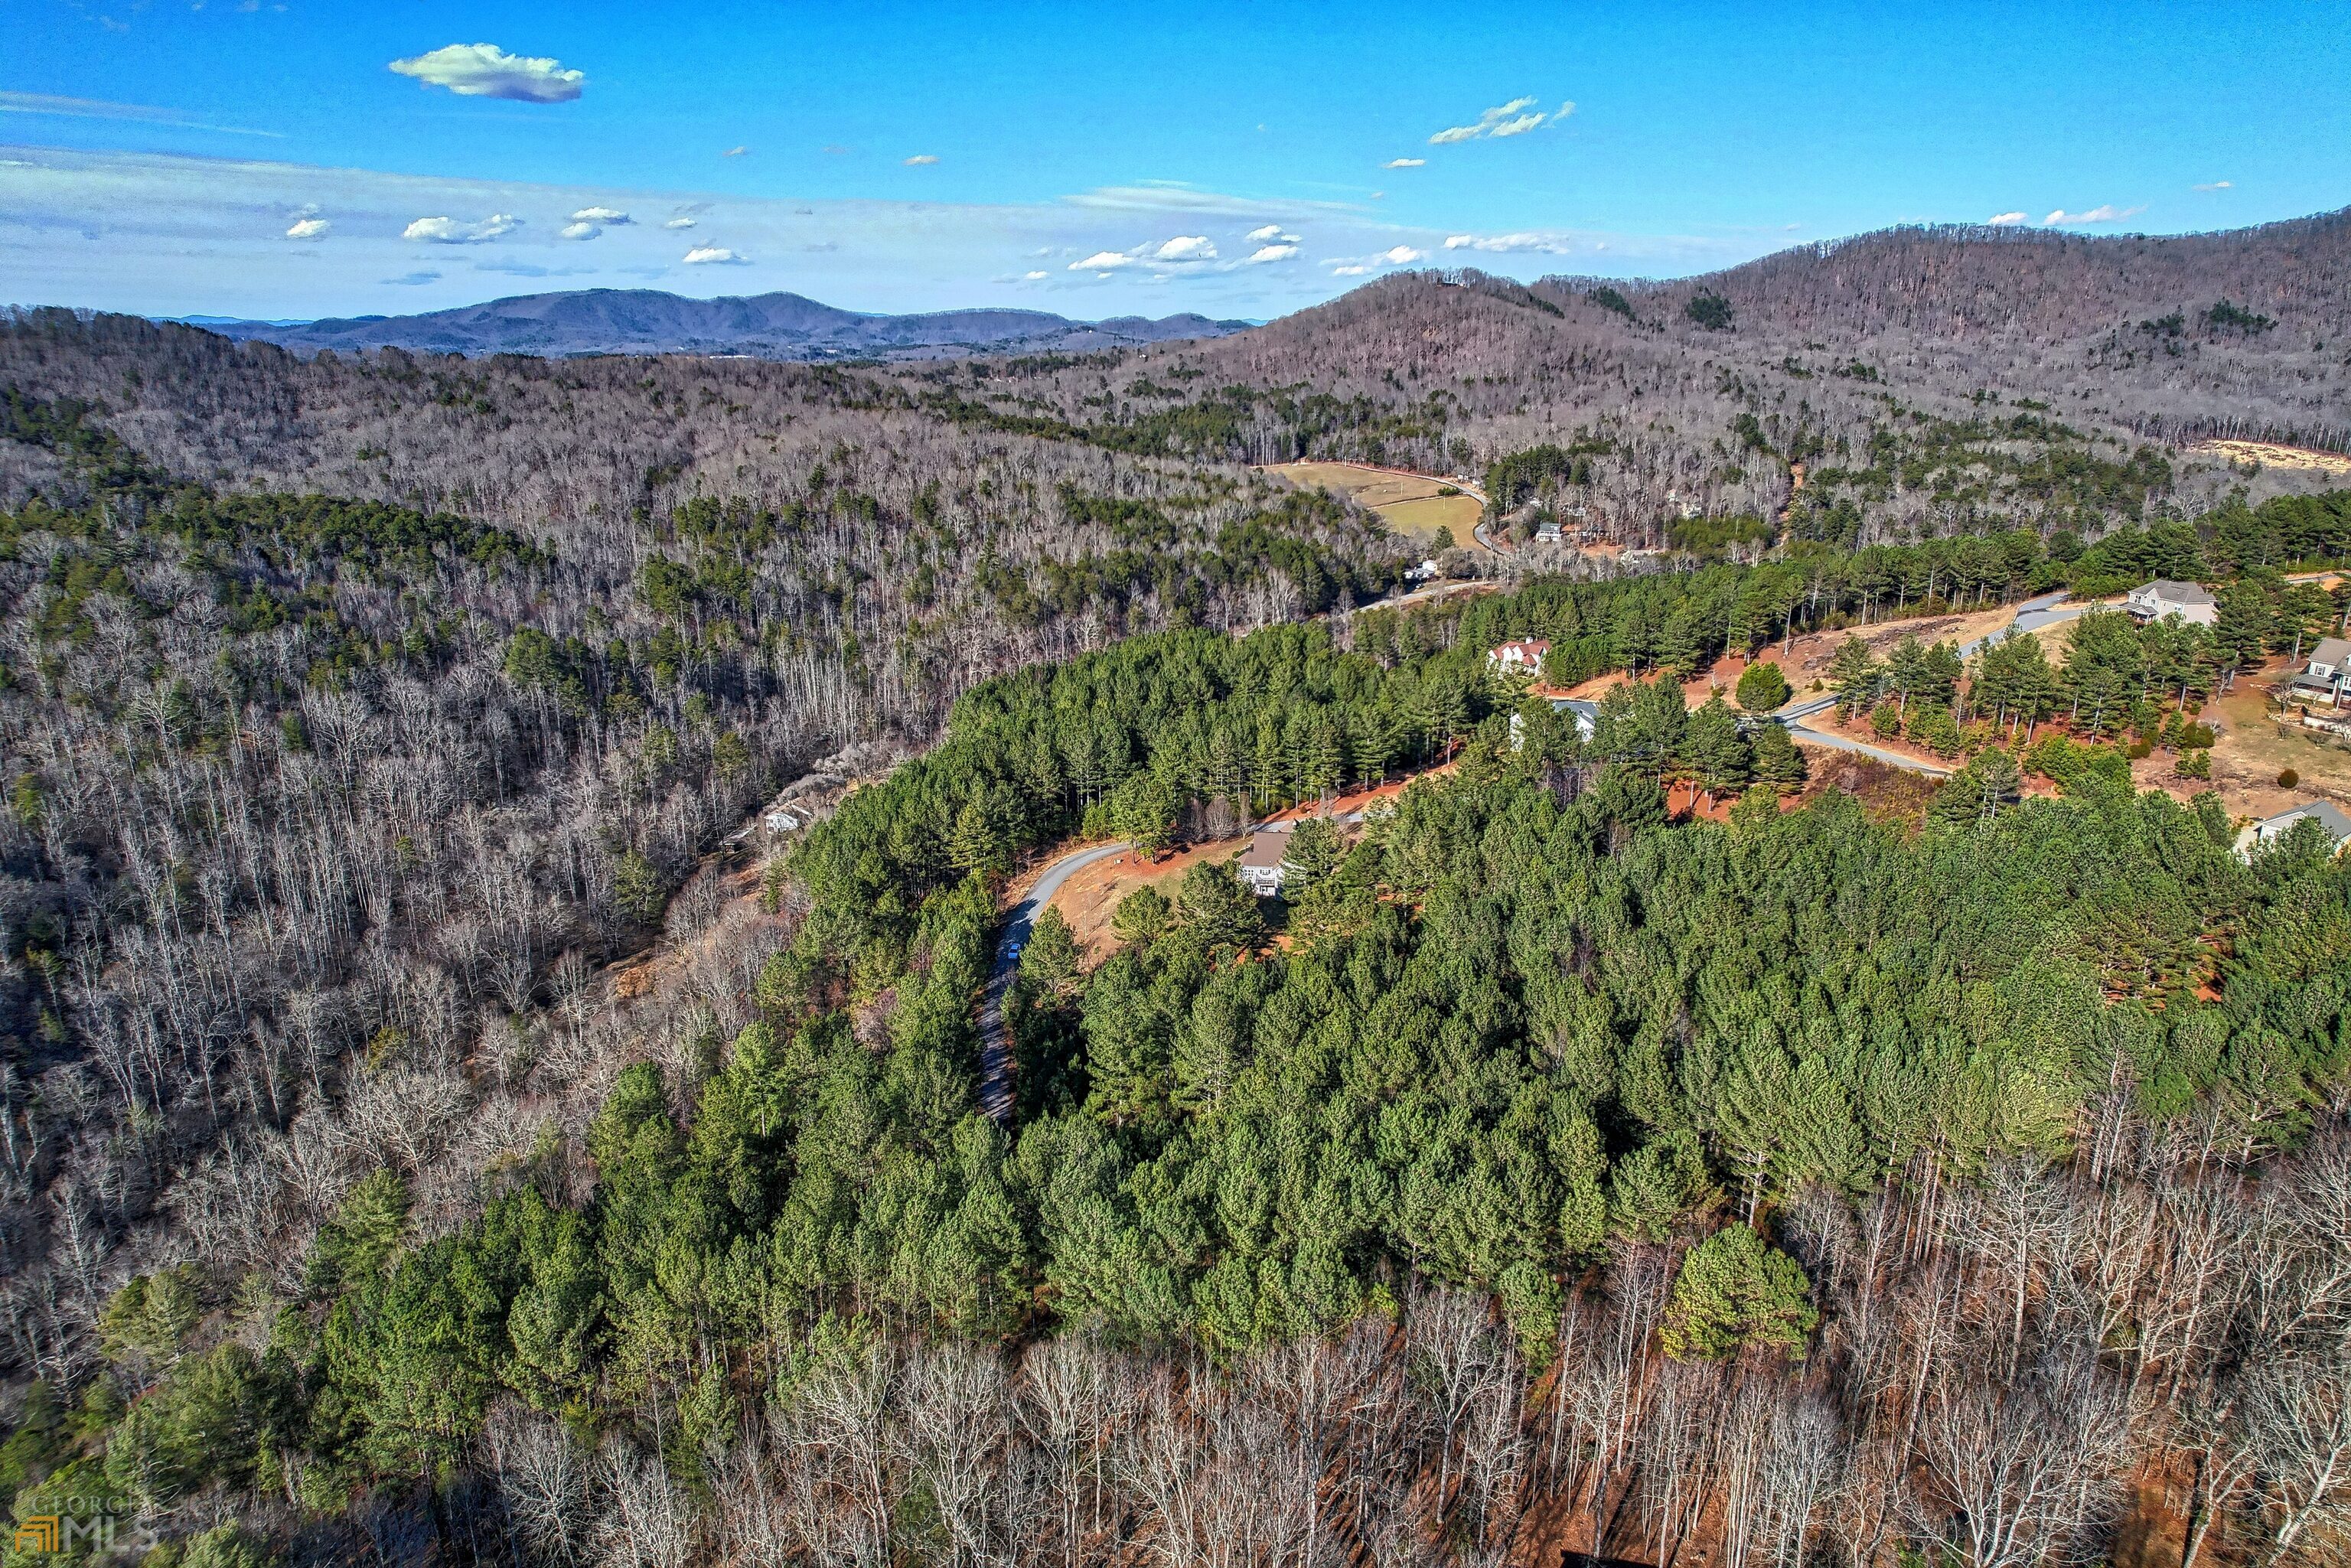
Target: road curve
(995, 1040)
(2031, 615)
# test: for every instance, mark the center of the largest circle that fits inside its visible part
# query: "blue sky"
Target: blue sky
(303, 159)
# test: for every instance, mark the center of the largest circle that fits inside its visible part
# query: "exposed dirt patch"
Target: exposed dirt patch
(2300, 459)
(1090, 899)
(2254, 746)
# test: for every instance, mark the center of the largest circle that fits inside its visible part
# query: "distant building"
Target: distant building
(783, 821)
(1260, 863)
(1523, 657)
(2325, 813)
(2327, 672)
(1547, 532)
(1422, 573)
(2164, 600)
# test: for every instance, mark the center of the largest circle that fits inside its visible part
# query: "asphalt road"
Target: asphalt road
(995, 1041)
(2031, 615)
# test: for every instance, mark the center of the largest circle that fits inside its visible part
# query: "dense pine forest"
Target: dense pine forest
(432, 1136)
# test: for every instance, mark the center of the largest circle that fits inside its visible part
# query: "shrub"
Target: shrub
(1762, 688)
(1886, 720)
(2288, 779)
(2140, 749)
(2196, 765)
(1734, 1291)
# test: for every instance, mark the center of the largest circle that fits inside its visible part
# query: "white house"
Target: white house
(2164, 600)
(1260, 863)
(1547, 532)
(2325, 813)
(1523, 657)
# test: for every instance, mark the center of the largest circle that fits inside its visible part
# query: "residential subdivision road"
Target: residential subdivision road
(2031, 616)
(995, 1040)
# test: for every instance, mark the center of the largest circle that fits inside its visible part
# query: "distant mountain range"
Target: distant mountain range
(762, 326)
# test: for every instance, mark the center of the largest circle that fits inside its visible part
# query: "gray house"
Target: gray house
(2325, 813)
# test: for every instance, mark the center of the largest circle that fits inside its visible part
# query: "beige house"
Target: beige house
(2164, 600)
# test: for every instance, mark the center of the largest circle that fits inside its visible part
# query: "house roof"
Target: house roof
(1267, 848)
(2334, 651)
(1526, 648)
(2165, 588)
(1586, 712)
(2327, 814)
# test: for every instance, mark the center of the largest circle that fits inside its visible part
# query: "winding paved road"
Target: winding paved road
(2031, 615)
(995, 1040)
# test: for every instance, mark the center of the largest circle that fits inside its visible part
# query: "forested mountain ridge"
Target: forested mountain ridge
(1927, 379)
(767, 325)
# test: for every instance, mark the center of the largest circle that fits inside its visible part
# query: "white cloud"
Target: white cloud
(1402, 255)
(308, 228)
(579, 231)
(1553, 244)
(485, 70)
(1033, 276)
(2108, 213)
(98, 109)
(411, 279)
(612, 215)
(449, 231)
(1186, 247)
(1404, 163)
(1512, 119)
(2006, 220)
(212, 241)
(920, 158)
(712, 256)
(734, 153)
(1266, 253)
(2217, 185)
(1349, 271)
(1260, 235)
(1102, 261)
(679, 223)
(1173, 196)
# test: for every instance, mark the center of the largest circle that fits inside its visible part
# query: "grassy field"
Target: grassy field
(1412, 507)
